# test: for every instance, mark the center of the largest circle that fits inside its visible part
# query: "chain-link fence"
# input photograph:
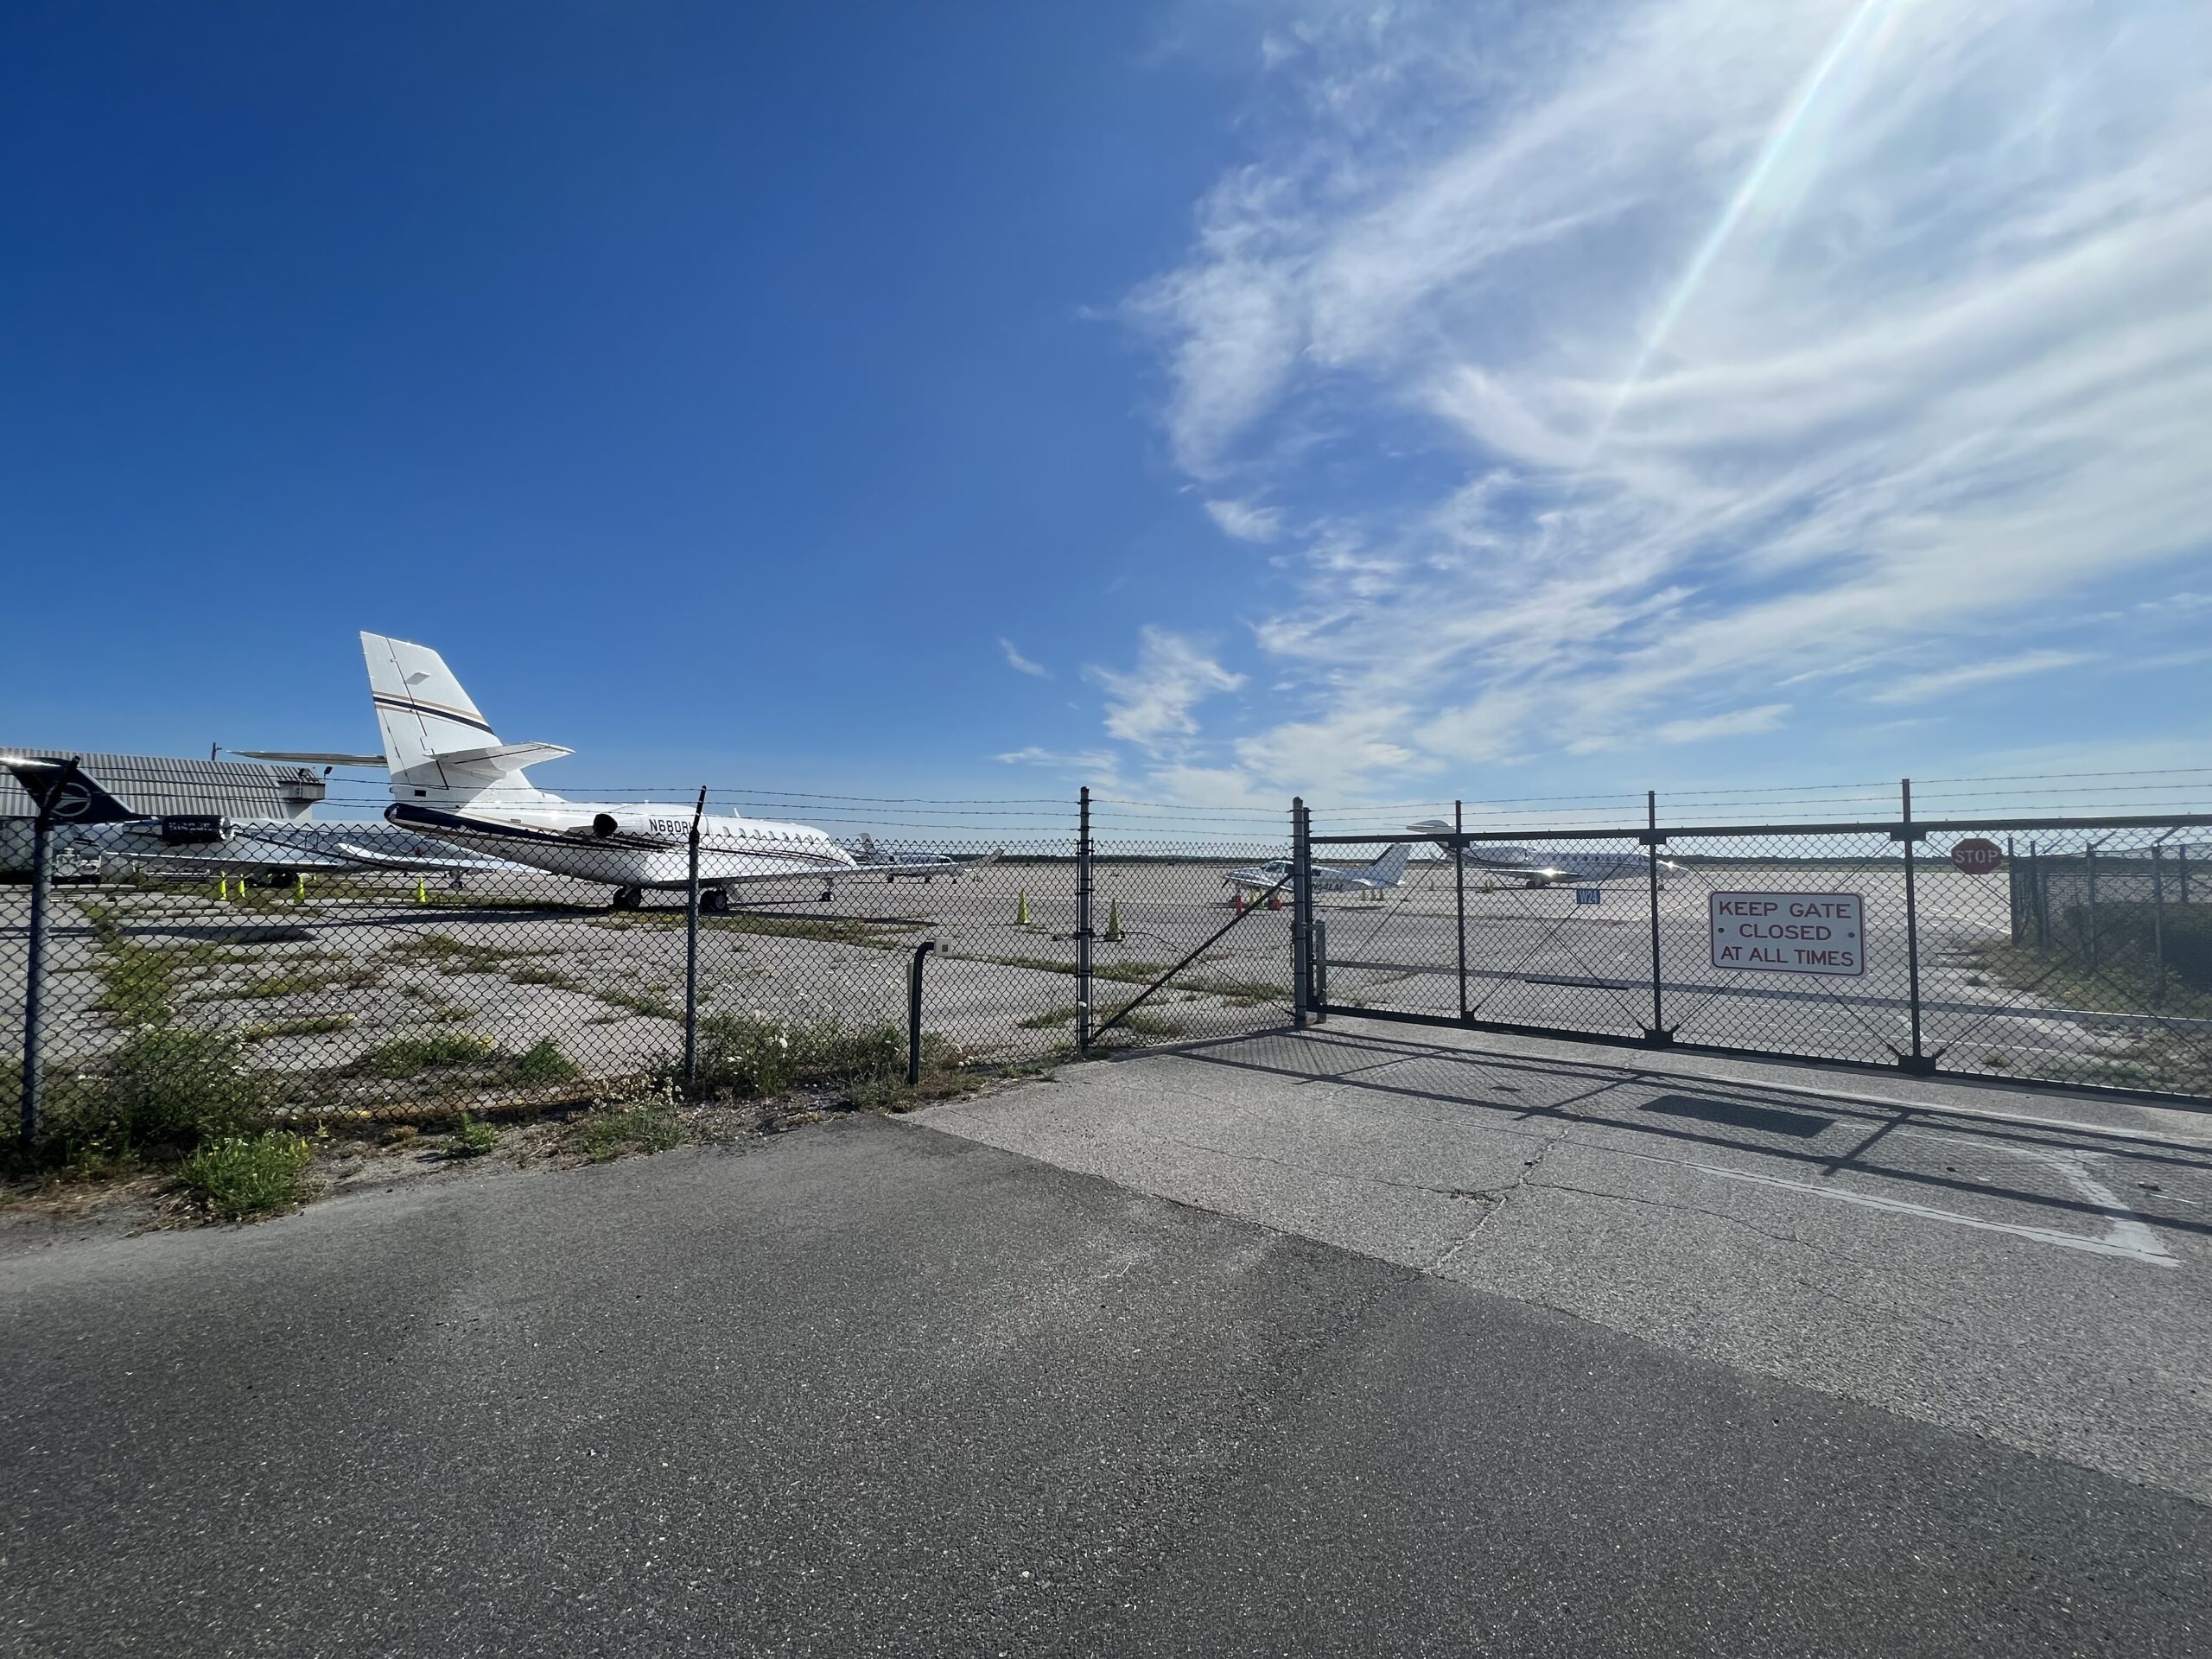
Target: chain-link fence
(195, 974)
(2069, 951)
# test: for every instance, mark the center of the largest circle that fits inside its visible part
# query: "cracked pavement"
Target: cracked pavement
(2032, 1268)
(868, 1388)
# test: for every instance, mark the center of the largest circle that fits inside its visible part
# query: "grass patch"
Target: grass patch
(643, 1003)
(409, 1057)
(1241, 993)
(297, 981)
(238, 1176)
(543, 1062)
(752, 1056)
(1145, 1023)
(1142, 1023)
(312, 1026)
(538, 974)
(615, 1128)
(746, 1055)
(471, 1138)
(451, 956)
(2125, 981)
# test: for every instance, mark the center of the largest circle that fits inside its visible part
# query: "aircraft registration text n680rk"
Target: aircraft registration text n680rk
(1789, 933)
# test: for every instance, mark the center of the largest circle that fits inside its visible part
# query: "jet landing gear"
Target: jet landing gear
(629, 897)
(714, 901)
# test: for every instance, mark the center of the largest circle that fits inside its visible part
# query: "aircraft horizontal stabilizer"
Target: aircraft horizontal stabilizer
(505, 757)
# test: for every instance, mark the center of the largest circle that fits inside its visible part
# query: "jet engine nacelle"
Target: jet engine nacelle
(652, 826)
(194, 829)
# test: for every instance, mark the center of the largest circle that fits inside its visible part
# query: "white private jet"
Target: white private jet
(1369, 881)
(452, 778)
(1531, 866)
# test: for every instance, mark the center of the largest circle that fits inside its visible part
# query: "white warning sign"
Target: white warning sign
(1789, 933)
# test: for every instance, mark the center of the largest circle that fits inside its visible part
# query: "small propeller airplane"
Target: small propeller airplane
(453, 779)
(893, 863)
(1367, 880)
(1530, 866)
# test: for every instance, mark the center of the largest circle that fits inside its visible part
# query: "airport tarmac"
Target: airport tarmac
(2032, 1267)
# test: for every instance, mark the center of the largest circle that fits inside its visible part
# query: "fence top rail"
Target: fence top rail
(1894, 828)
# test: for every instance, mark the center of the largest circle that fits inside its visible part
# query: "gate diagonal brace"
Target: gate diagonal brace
(1130, 1007)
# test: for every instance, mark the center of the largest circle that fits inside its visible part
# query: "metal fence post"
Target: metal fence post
(1083, 923)
(691, 954)
(2011, 892)
(2181, 857)
(914, 1013)
(2039, 895)
(1459, 889)
(1918, 1061)
(35, 978)
(1320, 971)
(1658, 1035)
(1301, 910)
(2158, 910)
(2089, 879)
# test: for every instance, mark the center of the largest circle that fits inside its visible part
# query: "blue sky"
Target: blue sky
(1206, 400)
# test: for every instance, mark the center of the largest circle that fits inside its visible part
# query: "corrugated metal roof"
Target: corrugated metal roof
(157, 784)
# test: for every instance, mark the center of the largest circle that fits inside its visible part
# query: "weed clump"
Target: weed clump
(747, 1055)
(471, 1138)
(237, 1176)
(543, 1062)
(644, 1122)
(410, 1056)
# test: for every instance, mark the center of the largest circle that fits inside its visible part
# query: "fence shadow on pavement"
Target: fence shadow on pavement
(1822, 1133)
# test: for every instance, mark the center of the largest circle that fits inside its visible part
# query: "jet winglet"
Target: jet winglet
(65, 792)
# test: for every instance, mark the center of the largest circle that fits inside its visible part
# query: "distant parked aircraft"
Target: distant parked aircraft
(1366, 880)
(454, 779)
(892, 864)
(1531, 866)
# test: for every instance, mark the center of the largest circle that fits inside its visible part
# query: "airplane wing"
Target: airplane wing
(401, 862)
(312, 757)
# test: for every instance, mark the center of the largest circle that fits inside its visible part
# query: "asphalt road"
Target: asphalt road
(875, 1389)
(2032, 1267)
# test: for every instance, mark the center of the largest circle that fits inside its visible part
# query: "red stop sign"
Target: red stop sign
(1977, 856)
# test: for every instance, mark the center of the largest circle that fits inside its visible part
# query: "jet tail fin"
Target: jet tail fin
(435, 736)
(1391, 868)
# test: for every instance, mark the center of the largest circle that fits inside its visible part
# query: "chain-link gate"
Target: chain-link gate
(1190, 939)
(2066, 951)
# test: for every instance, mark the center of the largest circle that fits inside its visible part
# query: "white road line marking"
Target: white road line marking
(2144, 1247)
(2128, 1228)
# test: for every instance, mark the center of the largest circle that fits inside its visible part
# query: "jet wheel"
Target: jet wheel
(629, 897)
(714, 901)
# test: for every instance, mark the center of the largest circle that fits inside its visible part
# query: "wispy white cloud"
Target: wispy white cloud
(1020, 663)
(1741, 723)
(1761, 345)
(1918, 688)
(1150, 705)
(1246, 522)
(1098, 765)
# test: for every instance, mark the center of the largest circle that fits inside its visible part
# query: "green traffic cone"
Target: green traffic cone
(1113, 921)
(1021, 909)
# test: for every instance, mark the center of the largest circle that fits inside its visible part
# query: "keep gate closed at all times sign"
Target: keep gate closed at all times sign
(1789, 933)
